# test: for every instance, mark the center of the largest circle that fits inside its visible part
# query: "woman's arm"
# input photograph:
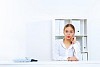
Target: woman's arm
(72, 58)
(77, 53)
(77, 50)
(56, 55)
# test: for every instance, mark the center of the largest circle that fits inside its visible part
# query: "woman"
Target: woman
(67, 48)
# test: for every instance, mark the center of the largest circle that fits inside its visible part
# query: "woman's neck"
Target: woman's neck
(67, 42)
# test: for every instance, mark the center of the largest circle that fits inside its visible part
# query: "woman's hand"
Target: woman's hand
(73, 40)
(72, 58)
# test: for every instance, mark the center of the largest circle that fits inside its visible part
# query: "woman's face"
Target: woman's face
(69, 32)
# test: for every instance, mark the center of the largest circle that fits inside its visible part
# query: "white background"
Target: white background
(25, 26)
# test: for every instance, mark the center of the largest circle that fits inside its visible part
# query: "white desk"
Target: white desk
(51, 64)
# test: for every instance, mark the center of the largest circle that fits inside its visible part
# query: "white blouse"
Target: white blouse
(60, 52)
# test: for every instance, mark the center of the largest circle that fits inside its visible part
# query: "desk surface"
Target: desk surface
(48, 62)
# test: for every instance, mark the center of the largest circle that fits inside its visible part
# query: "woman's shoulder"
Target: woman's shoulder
(76, 44)
(59, 41)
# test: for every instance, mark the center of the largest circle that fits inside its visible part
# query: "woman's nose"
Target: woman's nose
(68, 33)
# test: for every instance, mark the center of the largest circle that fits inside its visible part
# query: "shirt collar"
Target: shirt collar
(63, 45)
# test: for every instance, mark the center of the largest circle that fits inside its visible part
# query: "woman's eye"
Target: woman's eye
(71, 31)
(66, 31)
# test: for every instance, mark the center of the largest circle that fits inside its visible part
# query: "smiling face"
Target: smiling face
(69, 31)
